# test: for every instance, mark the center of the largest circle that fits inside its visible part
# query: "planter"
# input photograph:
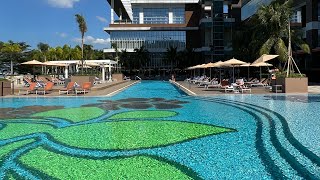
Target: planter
(5, 88)
(293, 85)
(117, 77)
(81, 79)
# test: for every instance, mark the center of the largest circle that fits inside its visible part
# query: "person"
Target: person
(173, 78)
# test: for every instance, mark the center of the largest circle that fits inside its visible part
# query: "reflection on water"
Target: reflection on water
(295, 98)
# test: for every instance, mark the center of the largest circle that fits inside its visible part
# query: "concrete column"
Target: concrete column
(141, 16)
(66, 72)
(110, 73)
(103, 74)
(312, 23)
(170, 16)
(120, 14)
(112, 11)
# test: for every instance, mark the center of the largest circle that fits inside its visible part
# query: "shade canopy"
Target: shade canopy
(245, 65)
(33, 62)
(261, 64)
(233, 62)
(49, 63)
(264, 58)
(216, 64)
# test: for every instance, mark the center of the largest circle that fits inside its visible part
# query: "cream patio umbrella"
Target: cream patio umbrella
(33, 63)
(211, 65)
(265, 58)
(261, 64)
(232, 63)
(247, 65)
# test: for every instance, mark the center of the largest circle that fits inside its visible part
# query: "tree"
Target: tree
(125, 60)
(141, 57)
(66, 52)
(88, 51)
(171, 56)
(83, 29)
(43, 49)
(274, 19)
(11, 49)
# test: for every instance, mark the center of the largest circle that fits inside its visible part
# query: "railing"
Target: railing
(137, 77)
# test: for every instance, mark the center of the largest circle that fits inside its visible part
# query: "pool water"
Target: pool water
(153, 130)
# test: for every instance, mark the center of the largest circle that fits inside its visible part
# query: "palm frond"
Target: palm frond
(281, 49)
(305, 48)
(266, 47)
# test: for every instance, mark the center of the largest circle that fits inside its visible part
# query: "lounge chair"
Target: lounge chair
(245, 89)
(263, 82)
(86, 86)
(47, 88)
(70, 87)
(32, 88)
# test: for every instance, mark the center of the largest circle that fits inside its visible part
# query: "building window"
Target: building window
(135, 14)
(178, 15)
(156, 16)
(149, 39)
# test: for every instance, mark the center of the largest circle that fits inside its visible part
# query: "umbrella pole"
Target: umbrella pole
(220, 74)
(248, 73)
(233, 74)
(210, 73)
(260, 74)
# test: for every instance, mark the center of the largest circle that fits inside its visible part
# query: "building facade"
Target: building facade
(159, 24)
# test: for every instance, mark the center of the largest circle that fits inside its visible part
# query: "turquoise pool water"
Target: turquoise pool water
(227, 136)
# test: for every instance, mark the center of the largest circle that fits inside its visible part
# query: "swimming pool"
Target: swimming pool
(154, 131)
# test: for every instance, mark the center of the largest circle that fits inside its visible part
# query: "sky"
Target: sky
(53, 22)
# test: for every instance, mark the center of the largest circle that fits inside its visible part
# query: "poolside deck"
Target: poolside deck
(105, 89)
(195, 90)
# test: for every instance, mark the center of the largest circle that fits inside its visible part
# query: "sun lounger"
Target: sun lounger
(69, 88)
(46, 89)
(84, 88)
(245, 89)
(263, 82)
(31, 89)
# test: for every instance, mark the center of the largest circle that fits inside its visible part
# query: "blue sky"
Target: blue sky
(53, 21)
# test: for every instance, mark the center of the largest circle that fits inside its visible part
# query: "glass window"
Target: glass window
(135, 14)
(149, 39)
(178, 15)
(156, 15)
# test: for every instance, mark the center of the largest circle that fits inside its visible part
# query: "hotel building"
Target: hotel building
(157, 25)
(206, 26)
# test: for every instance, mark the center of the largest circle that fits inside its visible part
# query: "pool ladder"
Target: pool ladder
(137, 77)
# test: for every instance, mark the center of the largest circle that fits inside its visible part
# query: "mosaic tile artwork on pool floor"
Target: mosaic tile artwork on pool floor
(160, 134)
(64, 143)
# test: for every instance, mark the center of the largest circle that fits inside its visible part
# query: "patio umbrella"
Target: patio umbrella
(33, 63)
(247, 65)
(211, 65)
(264, 58)
(261, 64)
(233, 62)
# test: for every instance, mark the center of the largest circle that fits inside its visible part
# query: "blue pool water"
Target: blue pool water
(276, 136)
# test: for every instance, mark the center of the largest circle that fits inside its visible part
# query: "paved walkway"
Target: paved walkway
(193, 89)
(106, 89)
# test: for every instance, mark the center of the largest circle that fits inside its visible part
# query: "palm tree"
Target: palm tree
(142, 57)
(43, 49)
(83, 29)
(11, 49)
(171, 56)
(274, 19)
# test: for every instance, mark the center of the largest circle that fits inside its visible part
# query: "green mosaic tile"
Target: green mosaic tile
(144, 114)
(73, 114)
(66, 167)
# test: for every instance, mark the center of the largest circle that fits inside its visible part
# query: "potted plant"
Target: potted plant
(5, 87)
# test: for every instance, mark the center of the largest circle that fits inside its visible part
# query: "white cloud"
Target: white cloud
(63, 35)
(93, 41)
(102, 19)
(62, 3)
